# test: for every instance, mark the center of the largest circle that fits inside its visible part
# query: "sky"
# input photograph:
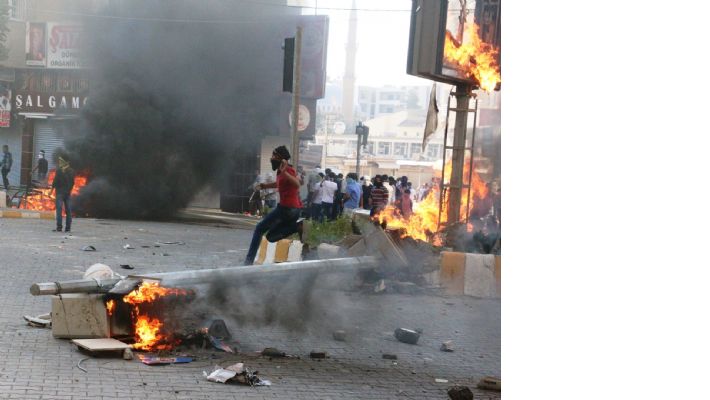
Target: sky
(383, 39)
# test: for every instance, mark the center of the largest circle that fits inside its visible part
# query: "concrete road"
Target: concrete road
(34, 365)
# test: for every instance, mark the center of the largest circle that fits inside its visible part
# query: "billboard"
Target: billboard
(5, 104)
(36, 44)
(447, 42)
(64, 45)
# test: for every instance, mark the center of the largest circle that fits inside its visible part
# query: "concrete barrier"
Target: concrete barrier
(282, 251)
(477, 275)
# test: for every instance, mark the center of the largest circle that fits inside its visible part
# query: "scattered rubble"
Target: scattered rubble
(387, 356)
(489, 383)
(40, 321)
(220, 345)
(128, 247)
(406, 335)
(319, 354)
(339, 336)
(460, 393)
(126, 266)
(439, 380)
(218, 329)
(272, 352)
(447, 346)
(236, 373)
(153, 360)
(88, 248)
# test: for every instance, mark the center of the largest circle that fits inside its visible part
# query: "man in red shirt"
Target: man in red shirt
(282, 221)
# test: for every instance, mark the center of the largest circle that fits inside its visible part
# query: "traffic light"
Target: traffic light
(365, 134)
(288, 47)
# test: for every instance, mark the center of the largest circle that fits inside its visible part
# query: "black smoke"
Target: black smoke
(178, 91)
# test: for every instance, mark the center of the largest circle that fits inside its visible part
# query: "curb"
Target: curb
(18, 213)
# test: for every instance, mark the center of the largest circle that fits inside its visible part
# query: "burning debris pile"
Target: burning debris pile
(41, 198)
(151, 332)
(429, 221)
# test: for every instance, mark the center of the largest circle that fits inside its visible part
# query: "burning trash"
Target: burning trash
(430, 216)
(150, 332)
(43, 199)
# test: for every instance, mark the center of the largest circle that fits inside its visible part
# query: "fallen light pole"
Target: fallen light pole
(126, 284)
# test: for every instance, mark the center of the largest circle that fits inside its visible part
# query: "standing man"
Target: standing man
(42, 167)
(282, 221)
(6, 165)
(366, 188)
(378, 196)
(353, 192)
(329, 188)
(316, 209)
(270, 195)
(62, 184)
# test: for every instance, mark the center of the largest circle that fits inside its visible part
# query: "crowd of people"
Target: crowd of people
(326, 195)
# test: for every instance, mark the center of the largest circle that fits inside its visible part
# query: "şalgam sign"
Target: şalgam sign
(47, 102)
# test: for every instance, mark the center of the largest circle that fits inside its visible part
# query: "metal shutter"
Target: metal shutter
(46, 138)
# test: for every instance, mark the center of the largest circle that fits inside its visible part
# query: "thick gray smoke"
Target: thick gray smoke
(174, 101)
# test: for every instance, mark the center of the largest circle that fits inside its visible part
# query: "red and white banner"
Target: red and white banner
(5, 104)
(65, 46)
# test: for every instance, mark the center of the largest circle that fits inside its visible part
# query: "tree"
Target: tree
(4, 17)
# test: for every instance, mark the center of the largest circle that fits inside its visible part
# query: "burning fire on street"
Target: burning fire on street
(424, 224)
(40, 199)
(475, 57)
(149, 331)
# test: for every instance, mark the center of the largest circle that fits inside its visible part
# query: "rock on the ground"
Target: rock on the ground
(406, 335)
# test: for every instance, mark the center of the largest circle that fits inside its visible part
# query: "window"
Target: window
(432, 150)
(383, 148)
(400, 149)
(18, 9)
(416, 148)
(386, 109)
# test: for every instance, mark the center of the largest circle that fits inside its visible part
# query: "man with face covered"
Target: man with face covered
(282, 221)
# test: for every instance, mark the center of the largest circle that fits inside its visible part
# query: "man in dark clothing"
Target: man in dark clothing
(62, 185)
(378, 197)
(338, 197)
(6, 165)
(365, 198)
(42, 167)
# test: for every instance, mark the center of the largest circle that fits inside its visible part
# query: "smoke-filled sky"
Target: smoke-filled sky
(173, 101)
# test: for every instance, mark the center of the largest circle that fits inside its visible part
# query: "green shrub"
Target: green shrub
(327, 231)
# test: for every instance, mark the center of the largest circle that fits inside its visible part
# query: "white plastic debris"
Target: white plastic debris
(99, 271)
(220, 375)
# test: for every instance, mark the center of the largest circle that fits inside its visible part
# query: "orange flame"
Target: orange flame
(423, 224)
(42, 200)
(475, 57)
(110, 306)
(147, 330)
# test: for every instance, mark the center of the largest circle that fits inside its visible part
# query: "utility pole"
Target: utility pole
(295, 104)
(463, 94)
